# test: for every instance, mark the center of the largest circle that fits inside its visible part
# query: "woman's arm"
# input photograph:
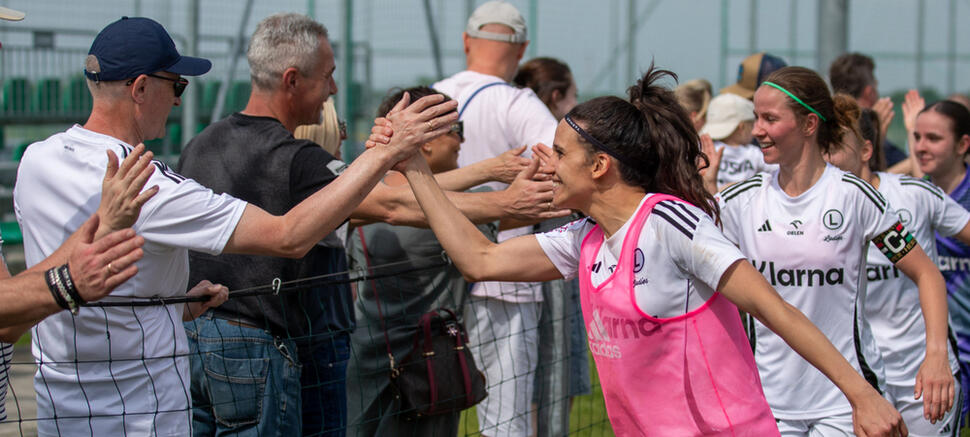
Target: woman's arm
(525, 200)
(871, 413)
(502, 168)
(935, 378)
(478, 259)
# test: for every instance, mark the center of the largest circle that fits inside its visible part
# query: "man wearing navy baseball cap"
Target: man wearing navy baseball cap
(124, 370)
(137, 54)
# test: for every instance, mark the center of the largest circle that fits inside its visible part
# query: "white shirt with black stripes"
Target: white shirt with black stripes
(892, 304)
(811, 248)
(680, 257)
(116, 370)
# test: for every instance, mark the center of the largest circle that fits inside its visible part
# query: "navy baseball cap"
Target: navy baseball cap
(133, 46)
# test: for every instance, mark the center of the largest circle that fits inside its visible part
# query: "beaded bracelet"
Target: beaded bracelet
(52, 286)
(62, 286)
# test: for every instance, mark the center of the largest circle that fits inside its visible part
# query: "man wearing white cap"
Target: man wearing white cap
(498, 117)
(730, 119)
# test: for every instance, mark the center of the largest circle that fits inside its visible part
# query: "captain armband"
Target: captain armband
(895, 243)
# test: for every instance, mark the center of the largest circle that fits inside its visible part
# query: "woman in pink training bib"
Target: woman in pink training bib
(659, 282)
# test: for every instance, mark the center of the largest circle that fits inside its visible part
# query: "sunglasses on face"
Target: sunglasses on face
(179, 84)
(459, 128)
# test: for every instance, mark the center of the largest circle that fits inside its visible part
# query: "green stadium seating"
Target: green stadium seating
(207, 101)
(19, 151)
(11, 233)
(237, 97)
(77, 98)
(16, 96)
(46, 97)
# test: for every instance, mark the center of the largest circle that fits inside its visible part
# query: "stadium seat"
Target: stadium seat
(11, 233)
(207, 101)
(16, 96)
(46, 98)
(77, 98)
(18, 152)
(237, 97)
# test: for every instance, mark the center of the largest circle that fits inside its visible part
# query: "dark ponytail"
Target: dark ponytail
(655, 144)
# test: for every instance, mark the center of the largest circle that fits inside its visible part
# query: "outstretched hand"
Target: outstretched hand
(529, 199)
(98, 266)
(121, 190)
(912, 105)
(417, 123)
(547, 162)
(508, 165)
(380, 133)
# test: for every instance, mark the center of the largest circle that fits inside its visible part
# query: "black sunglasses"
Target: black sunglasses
(179, 83)
(459, 128)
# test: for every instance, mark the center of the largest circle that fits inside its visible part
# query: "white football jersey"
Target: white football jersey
(892, 302)
(740, 162)
(130, 359)
(680, 257)
(812, 250)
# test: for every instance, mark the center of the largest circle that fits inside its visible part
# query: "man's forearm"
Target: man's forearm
(25, 299)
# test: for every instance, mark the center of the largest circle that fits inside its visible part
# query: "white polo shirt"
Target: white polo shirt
(125, 367)
(497, 119)
(812, 250)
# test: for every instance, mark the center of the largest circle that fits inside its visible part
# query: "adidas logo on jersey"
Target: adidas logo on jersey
(766, 227)
(799, 277)
(599, 338)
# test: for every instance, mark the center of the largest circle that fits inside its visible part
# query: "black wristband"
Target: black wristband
(65, 273)
(52, 286)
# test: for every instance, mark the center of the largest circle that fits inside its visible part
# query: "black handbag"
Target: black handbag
(439, 375)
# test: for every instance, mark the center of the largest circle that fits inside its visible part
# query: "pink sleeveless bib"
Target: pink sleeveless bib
(682, 376)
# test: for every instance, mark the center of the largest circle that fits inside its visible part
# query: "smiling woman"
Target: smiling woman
(811, 216)
(630, 165)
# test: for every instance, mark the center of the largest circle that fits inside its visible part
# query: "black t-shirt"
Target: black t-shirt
(257, 160)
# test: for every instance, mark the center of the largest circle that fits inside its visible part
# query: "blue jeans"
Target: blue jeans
(324, 381)
(245, 382)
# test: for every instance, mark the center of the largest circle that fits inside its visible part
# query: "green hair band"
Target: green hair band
(800, 102)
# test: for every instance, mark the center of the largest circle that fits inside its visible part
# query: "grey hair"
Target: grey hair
(282, 41)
